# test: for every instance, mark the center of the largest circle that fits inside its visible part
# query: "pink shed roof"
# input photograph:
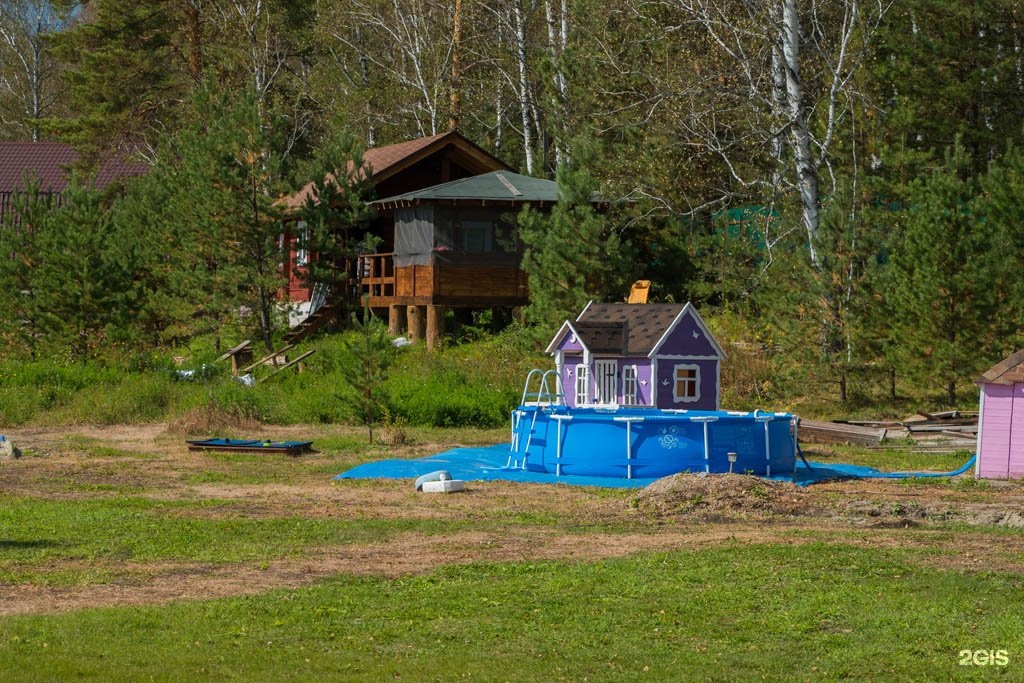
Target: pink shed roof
(48, 163)
(388, 160)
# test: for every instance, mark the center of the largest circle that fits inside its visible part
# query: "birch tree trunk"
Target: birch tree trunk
(557, 20)
(799, 130)
(519, 26)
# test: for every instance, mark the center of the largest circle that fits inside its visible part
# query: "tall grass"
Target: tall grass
(472, 385)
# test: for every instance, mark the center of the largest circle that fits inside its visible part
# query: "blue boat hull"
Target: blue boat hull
(648, 443)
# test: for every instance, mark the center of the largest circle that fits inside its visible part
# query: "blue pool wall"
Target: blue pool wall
(660, 442)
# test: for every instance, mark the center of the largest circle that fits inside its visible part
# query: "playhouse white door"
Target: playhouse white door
(606, 374)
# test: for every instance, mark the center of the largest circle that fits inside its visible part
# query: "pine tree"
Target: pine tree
(947, 271)
(80, 277)
(19, 243)
(572, 254)
(368, 356)
(215, 222)
(821, 319)
(123, 78)
(1002, 204)
(337, 214)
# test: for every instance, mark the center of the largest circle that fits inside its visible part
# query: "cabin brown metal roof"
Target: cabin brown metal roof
(642, 325)
(1007, 371)
(48, 164)
(384, 162)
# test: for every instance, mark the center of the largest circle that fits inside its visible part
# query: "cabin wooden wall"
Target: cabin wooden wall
(414, 281)
(461, 284)
(480, 281)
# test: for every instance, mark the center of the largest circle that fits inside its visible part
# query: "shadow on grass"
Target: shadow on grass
(22, 545)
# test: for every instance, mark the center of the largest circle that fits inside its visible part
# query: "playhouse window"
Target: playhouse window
(605, 375)
(582, 374)
(629, 385)
(686, 387)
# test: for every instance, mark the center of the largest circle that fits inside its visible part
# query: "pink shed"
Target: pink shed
(1001, 426)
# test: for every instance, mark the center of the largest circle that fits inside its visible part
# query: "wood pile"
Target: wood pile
(944, 432)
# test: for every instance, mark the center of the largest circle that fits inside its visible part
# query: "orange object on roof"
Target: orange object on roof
(639, 291)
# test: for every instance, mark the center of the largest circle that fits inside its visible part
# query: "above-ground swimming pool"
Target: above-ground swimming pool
(648, 443)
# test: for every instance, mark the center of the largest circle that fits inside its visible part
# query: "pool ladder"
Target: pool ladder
(543, 397)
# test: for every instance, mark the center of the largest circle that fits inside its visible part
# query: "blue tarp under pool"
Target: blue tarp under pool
(488, 464)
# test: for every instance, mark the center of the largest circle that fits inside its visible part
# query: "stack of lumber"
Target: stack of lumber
(815, 431)
(923, 432)
(951, 430)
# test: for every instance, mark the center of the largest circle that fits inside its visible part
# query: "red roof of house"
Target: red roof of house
(48, 164)
(384, 162)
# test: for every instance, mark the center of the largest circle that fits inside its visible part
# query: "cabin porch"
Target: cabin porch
(417, 296)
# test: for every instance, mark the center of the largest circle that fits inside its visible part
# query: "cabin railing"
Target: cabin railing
(376, 275)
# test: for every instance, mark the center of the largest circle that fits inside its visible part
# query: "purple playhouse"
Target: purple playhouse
(634, 394)
(646, 355)
(1001, 420)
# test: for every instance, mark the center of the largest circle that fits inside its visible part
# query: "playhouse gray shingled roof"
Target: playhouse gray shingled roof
(496, 186)
(627, 329)
(1007, 371)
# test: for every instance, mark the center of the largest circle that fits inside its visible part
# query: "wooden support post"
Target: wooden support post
(396, 320)
(435, 325)
(415, 315)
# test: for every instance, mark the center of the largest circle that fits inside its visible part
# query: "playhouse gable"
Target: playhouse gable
(567, 339)
(688, 336)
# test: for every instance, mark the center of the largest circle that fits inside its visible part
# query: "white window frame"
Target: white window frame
(582, 385)
(630, 385)
(694, 381)
(606, 381)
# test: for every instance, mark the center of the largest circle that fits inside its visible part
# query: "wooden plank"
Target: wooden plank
(835, 432)
(263, 360)
(233, 350)
(942, 426)
(289, 364)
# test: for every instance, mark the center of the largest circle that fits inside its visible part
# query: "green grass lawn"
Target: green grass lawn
(733, 612)
(34, 532)
(886, 459)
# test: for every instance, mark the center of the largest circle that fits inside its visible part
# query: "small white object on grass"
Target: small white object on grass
(444, 486)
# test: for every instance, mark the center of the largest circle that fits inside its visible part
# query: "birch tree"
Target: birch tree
(29, 87)
(515, 67)
(402, 49)
(775, 84)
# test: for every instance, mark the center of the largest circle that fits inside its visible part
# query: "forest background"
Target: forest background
(835, 184)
